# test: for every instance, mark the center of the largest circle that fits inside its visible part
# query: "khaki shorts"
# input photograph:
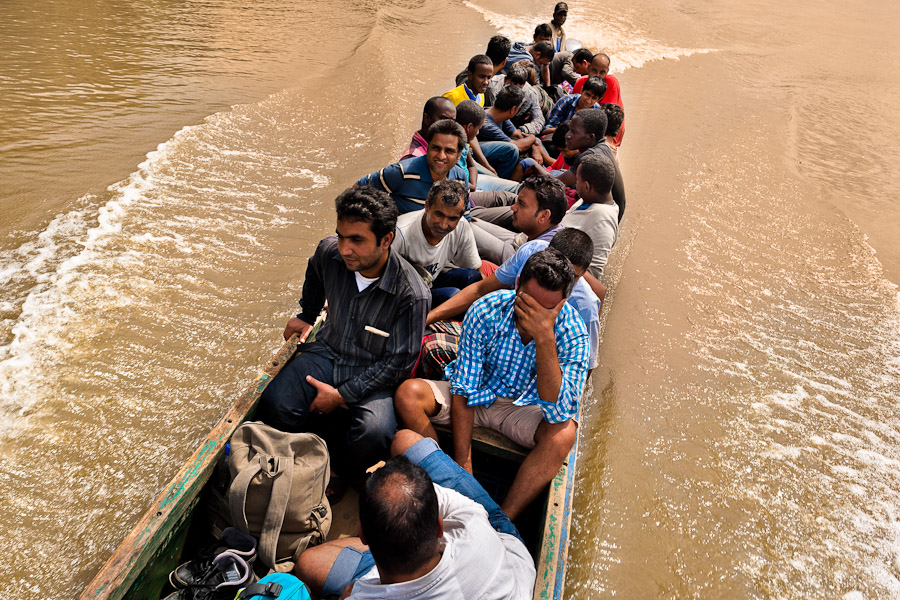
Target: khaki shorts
(518, 423)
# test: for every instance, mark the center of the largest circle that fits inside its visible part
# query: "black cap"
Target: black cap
(560, 7)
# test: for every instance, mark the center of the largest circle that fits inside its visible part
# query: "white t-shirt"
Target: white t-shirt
(457, 247)
(601, 222)
(478, 562)
(363, 282)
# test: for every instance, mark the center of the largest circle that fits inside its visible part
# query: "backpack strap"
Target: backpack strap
(282, 478)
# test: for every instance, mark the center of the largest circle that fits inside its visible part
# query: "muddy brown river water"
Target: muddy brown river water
(166, 169)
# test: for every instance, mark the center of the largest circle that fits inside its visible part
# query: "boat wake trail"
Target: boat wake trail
(628, 45)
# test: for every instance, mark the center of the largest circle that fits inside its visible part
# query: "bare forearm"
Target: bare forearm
(549, 375)
(524, 143)
(596, 286)
(461, 302)
(462, 421)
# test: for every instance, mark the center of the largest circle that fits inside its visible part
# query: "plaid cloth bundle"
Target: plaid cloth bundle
(439, 349)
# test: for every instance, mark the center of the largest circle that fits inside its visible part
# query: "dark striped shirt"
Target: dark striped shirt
(396, 305)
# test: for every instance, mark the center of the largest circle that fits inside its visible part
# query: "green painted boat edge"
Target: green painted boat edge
(554, 548)
(155, 538)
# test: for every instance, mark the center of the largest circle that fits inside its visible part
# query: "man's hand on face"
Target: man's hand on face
(327, 397)
(534, 319)
(297, 325)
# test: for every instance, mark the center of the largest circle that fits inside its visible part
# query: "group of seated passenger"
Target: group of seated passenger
(480, 221)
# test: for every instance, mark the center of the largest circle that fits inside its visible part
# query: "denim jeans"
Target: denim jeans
(448, 283)
(358, 435)
(503, 156)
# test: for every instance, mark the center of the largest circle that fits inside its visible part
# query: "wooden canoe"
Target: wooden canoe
(138, 569)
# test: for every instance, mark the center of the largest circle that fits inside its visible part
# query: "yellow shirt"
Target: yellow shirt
(462, 92)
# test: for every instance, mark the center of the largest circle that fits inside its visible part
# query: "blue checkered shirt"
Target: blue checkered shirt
(492, 362)
(564, 110)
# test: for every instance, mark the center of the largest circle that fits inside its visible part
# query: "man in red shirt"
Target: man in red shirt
(600, 68)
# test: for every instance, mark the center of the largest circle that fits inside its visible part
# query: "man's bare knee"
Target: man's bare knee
(403, 441)
(559, 436)
(412, 398)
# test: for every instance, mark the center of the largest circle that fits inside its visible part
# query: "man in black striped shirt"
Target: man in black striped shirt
(341, 385)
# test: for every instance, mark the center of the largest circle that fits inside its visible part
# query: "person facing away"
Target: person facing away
(587, 134)
(497, 50)
(520, 370)
(615, 117)
(408, 181)
(428, 530)
(537, 211)
(530, 119)
(576, 246)
(436, 109)
(438, 237)
(499, 128)
(478, 76)
(560, 14)
(598, 215)
(370, 341)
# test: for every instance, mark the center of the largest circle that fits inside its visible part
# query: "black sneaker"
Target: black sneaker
(227, 574)
(233, 540)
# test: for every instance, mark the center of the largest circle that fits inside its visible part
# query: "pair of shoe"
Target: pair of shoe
(219, 571)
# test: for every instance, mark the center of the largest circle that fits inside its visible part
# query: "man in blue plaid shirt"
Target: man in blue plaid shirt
(521, 368)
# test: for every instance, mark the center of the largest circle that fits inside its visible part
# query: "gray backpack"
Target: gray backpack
(277, 491)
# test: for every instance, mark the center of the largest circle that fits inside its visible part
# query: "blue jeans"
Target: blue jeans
(358, 435)
(351, 564)
(492, 183)
(503, 156)
(448, 283)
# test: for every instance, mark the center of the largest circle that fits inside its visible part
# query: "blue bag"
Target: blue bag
(280, 586)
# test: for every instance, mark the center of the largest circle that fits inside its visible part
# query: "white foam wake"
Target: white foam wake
(627, 45)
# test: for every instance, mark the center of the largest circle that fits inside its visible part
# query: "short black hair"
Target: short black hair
(448, 127)
(559, 136)
(508, 97)
(545, 49)
(398, 514)
(599, 171)
(498, 49)
(595, 85)
(543, 30)
(433, 103)
(469, 112)
(367, 205)
(551, 195)
(575, 245)
(518, 73)
(594, 122)
(615, 116)
(582, 54)
(450, 191)
(479, 59)
(551, 270)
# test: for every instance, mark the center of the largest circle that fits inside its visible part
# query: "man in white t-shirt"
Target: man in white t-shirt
(432, 532)
(598, 216)
(438, 237)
